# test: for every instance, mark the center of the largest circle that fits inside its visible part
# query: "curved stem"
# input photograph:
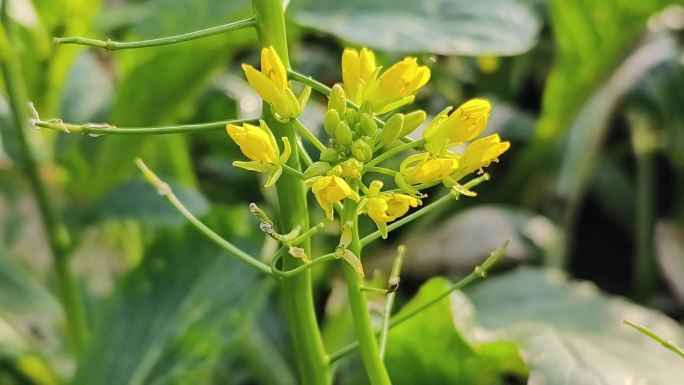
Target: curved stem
(431, 207)
(110, 45)
(370, 354)
(478, 273)
(165, 190)
(297, 290)
(106, 129)
(56, 231)
(302, 268)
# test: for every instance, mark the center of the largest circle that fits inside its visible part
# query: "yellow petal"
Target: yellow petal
(262, 84)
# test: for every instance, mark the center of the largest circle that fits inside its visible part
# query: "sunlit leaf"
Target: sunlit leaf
(570, 333)
(448, 27)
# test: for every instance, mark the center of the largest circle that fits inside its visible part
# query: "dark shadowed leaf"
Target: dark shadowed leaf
(171, 317)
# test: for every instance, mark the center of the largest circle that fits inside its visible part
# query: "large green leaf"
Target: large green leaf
(170, 318)
(448, 27)
(439, 345)
(570, 333)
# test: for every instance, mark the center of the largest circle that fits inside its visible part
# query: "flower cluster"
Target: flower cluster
(359, 141)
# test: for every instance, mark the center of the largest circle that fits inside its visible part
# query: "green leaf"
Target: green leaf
(170, 319)
(20, 293)
(447, 27)
(570, 333)
(137, 199)
(438, 346)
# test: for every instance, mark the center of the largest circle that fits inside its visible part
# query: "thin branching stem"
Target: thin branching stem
(670, 345)
(308, 135)
(107, 129)
(478, 273)
(394, 151)
(165, 190)
(111, 45)
(392, 287)
(302, 268)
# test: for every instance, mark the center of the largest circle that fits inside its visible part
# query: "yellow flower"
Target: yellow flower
(259, 145)
(272, 85)
(464, 124)
(329, 190)
(427, 168)
(357, 71)
(386, 207)
(387, 91)
(481, 153)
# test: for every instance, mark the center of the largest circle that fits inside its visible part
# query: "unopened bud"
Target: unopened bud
(343, 134)
(350, 168)
(330, 122)
(328, 155)
(361, 150)
(369, 140)
(368, 124)
(392, 129)
(351, 117)
(412, 120)
(317, 169)
(337, 101)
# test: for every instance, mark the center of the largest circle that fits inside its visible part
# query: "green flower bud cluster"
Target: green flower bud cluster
(357, 134)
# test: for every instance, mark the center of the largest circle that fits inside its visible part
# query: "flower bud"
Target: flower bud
(412, 120)
(351, 117)
(350, 168)
(343, 134)
(361, 150)
(328, 155)
(330, 122)
(317, 169)
(337, 101)
(392, 129)
(369, 140)
(368, 124)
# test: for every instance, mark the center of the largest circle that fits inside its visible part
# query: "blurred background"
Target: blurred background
(588, 92)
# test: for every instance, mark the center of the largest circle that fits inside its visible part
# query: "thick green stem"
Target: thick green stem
(297, 290)
(58, 236)
(370, 353)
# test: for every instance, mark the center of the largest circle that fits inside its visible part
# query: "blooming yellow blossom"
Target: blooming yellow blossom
(357, 71)
(259, 145)
(386, 207)
(272, 85)
(427, 168)
(385, 91)
(329, 190)
(464, 124)
(481, 153)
